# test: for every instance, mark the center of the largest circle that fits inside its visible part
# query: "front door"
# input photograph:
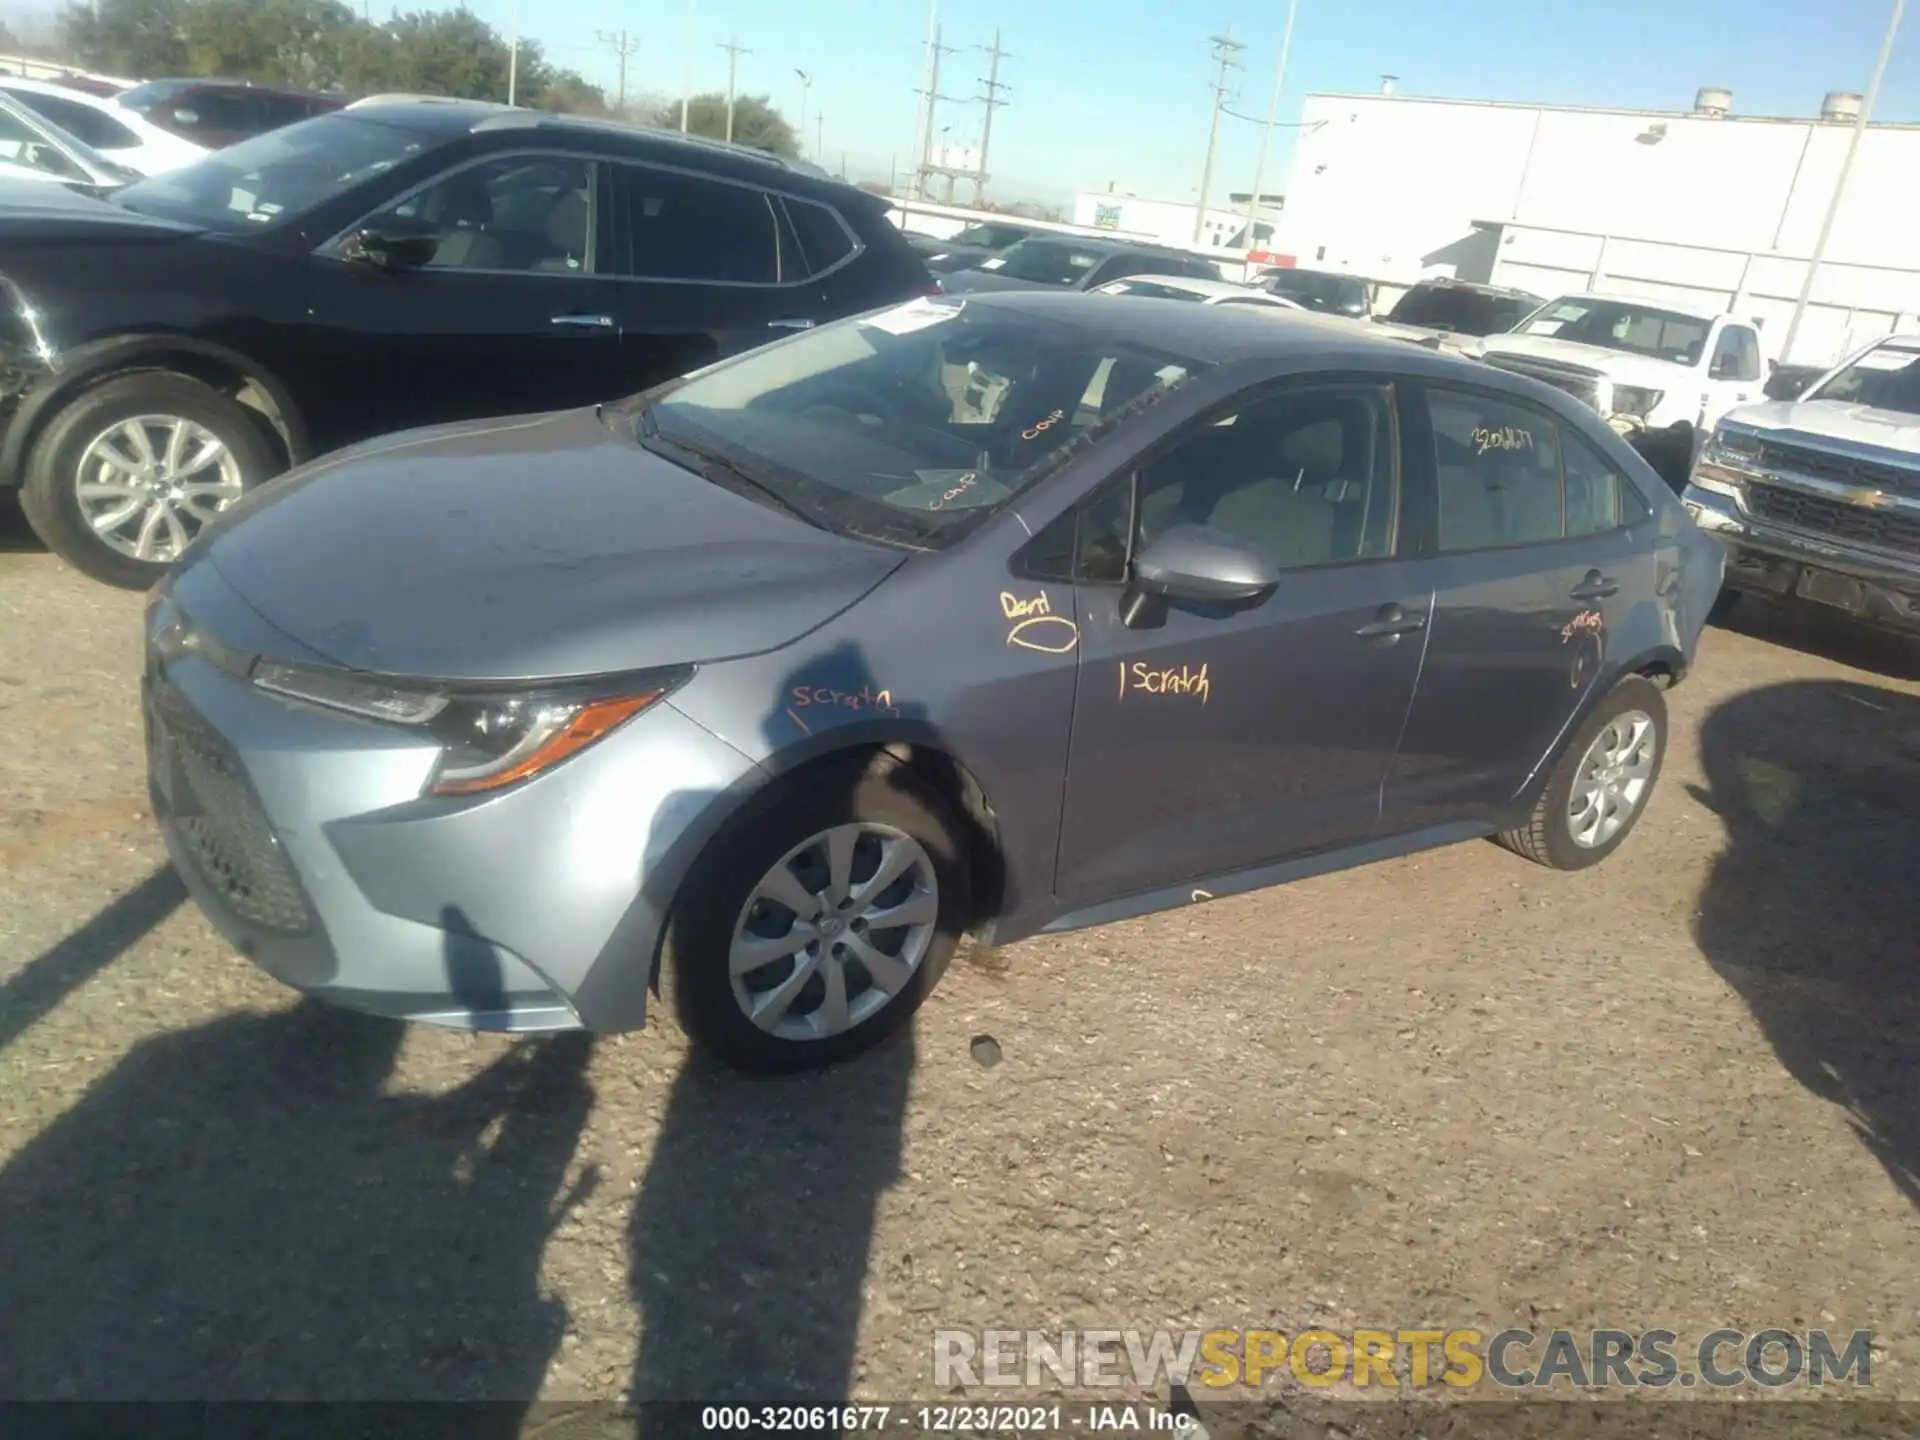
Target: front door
(1536, 564)
(508, 318)
(1733, 374)
(1207, 739)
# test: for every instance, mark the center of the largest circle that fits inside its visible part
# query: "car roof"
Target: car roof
(222, 82)
(446, 117)
(1209, 333)
(48, 87)
(1113, 245)
(1448, 282)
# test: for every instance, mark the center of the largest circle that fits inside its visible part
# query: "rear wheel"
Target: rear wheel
(128, 473)
(1602, 782)
(816, 924)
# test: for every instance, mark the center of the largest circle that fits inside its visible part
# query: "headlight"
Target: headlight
(489, 740)
(1636, 400)
(1731, 447)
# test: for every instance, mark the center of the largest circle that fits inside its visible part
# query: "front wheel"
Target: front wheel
(816, 924)
(128, 473)
(1602, 782)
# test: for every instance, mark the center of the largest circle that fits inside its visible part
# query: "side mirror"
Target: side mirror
(391, 246)
(1197, 563)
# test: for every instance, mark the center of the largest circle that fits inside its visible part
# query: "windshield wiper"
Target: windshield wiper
(712, 466)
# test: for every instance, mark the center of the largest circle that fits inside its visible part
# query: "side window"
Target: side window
(1596, 492)
(1747, 345)
(220, 112)
(1497, 467)
(824, 241)
(21, 146)
(1306, 475)
(686, 227)
(86, 124)
(526, 213)
(1725, 364)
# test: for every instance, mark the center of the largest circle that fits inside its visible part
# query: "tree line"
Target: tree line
(326, 45)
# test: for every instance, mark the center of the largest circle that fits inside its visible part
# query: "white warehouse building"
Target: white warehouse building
(1701, 206)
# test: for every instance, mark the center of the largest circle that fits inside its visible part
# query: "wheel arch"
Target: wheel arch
(1662, 664)
(221, 367)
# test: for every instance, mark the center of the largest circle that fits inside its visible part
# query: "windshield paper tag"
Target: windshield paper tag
(912, 316)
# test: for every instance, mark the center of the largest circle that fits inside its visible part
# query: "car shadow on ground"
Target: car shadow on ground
(1809, 912)
(248, 1210)
(15, 534)
(1820, 630)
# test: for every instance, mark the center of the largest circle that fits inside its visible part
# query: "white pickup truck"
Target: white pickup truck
(1819, 497)
(1662, 374)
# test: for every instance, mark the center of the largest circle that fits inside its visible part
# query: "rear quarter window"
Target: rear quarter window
(823, 237)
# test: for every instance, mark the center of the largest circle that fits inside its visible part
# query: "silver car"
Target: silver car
(1009, 615)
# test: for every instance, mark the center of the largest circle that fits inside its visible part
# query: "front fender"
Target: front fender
(53, 377)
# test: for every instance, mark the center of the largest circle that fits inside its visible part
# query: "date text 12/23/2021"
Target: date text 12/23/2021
(949, 1419)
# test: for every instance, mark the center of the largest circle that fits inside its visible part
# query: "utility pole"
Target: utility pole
(819, 137)
(1225, 47)
(925, 171)
(922, 113)
(993, 102)
(622, 47)
(513, 54)
(1840, 184)
(1266, 136)
(686, 72)
(734, 51)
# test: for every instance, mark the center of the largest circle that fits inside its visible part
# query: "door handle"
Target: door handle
(1392, 622)
(585, 322)
(791, 322)
(1595, 587)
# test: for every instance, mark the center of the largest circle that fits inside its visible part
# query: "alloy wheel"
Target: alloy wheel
(834, 931)
(147, 485)
(1612, 778)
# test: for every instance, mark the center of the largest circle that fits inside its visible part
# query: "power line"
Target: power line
(734, 51)
(1225, 48)
(925, 170)
(622, 47)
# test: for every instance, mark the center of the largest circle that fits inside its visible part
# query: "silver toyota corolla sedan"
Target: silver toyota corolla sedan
(1008, 615)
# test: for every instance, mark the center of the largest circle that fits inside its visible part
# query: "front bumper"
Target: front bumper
(1778, 560)
(303, 834)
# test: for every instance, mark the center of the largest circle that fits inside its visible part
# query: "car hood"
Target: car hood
(1617, 364)
(1834, 420)
(529, 549)
(31, 210)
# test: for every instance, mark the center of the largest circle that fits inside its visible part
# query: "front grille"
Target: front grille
(1841, 469)
(225, 831)
(1816, 513)
(1583, 385)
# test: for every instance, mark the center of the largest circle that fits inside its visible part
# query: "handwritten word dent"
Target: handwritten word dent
(965, 483)
(865, 698)
(1015, 608)
(1041, 426)
(1585, 620)
(1506, 437)
(1170, 680)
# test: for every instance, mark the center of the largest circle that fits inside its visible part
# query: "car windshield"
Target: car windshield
(986, 237)
(142, 98)
(1621, 325)
(1049, 262)
(910, 426)
(1887, 377)
(1311, 285)
(276, 176)
(1461, 310)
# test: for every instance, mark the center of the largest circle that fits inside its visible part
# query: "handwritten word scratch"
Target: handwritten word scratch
(865, 698)
(1506, 437)
(1585, 620)
(965, 483)
(1200, 895)
(1039, 628)
(1172, 680)
(1041, 426)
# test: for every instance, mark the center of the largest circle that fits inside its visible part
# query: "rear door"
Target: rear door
(1207, 739)
(1534, 561)
(510, 317)
(702, 267)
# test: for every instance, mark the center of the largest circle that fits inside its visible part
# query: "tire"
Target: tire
(51, 495)
(1724, 604)
(1551, 836)
(714, 909)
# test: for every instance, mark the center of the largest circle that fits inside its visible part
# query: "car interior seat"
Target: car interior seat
(463, 209)
(566, 234)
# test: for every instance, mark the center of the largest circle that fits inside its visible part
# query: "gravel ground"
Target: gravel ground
(1456, 1089)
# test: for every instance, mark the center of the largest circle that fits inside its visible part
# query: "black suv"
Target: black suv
(1441, 307)
(1323, 290)
(215, 113)
(378, 268)
(1075, 262)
